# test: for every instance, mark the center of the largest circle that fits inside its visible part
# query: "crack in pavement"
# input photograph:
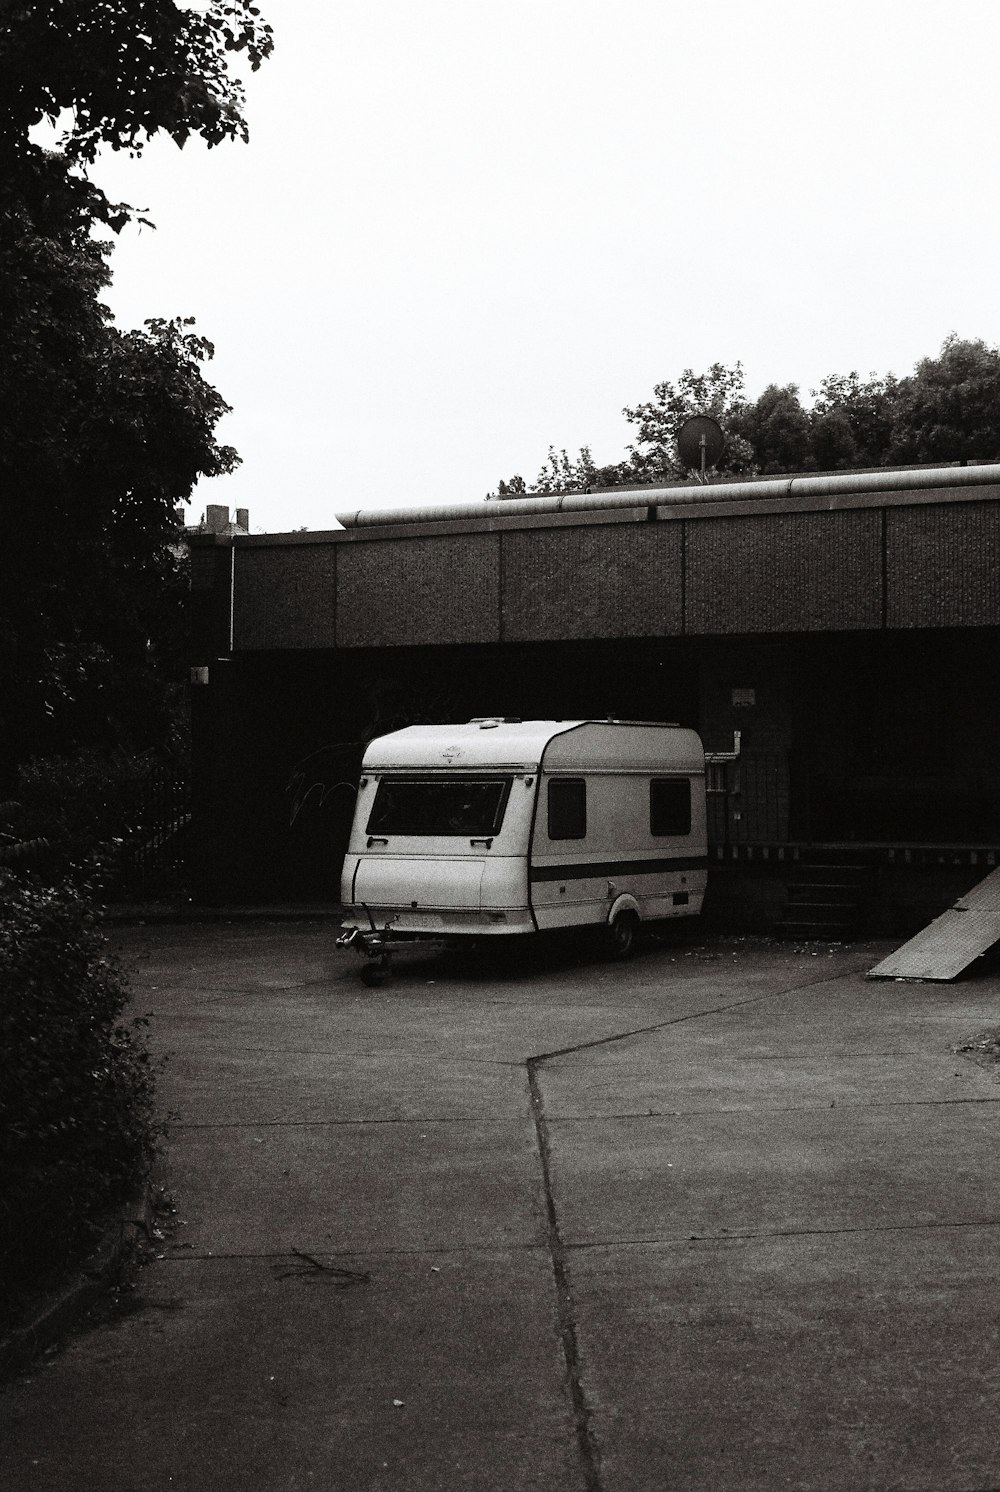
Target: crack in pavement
(585, 1438)
(183, 1254)
(785, 1108)
(337, 1123)
(735, 1237)
(195, 1053)
(692, 1015)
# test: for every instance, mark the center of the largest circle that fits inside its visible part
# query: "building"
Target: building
(845, 626)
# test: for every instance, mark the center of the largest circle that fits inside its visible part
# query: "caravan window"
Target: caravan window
(567, 808)
(669, 806)
(469, 806)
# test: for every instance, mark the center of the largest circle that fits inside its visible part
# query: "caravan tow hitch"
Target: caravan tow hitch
(374, 947)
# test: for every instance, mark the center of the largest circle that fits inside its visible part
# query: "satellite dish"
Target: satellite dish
(700, 442)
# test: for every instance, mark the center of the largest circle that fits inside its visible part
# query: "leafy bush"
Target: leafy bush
(77, 1124)
(75, 807)
(112, 816)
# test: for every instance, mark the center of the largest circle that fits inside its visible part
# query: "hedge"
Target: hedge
(78, 1129)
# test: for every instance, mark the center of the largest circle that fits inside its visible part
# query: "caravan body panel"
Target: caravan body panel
(621, 812)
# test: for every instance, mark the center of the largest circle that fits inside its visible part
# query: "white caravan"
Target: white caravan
(500, 826)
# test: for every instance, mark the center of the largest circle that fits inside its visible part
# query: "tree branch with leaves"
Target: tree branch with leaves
(103, 432)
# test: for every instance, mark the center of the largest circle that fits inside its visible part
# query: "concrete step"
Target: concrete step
(826, 895)
(836, 911)
(821, 891)
(839, 932)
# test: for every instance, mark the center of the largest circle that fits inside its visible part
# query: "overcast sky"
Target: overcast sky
(464, 230)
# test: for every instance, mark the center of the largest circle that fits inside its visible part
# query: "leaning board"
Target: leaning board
(950, 943)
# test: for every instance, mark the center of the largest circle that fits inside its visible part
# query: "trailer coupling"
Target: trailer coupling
(377, 945)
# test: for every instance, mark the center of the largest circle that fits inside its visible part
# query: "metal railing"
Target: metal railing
(748, 799)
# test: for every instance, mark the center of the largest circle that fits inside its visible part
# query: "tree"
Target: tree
(776, 429)
(949, 409)
(102, 432)
(515, 487)
(126, 69)
(717, 392)
(852, 420)
(561, 474)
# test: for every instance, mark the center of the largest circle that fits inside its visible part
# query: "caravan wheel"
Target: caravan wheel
(622, 935)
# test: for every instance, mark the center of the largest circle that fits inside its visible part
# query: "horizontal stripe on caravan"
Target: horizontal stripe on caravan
(579, 870)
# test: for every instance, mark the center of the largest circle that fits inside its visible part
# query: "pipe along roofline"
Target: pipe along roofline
(835, 484)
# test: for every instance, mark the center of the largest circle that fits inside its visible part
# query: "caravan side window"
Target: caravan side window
(567, 808)
(669, 806)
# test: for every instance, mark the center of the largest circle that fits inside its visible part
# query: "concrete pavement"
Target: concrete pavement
(726, 1217)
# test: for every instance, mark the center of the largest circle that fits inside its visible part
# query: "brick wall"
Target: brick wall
(285, 597)
(440, 589)
(616, 580)
(943, 566)
(783, 572)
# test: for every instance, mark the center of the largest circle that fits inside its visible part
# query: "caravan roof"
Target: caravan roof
(496, 743)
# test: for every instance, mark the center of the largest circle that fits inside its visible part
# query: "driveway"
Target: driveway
(725, 1217)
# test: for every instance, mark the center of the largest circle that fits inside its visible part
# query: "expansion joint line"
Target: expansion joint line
(558, 1253)
(558, 1250)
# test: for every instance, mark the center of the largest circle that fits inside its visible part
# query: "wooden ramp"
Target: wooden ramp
(952, 941)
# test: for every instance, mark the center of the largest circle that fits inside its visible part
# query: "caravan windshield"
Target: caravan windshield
(470, 806)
